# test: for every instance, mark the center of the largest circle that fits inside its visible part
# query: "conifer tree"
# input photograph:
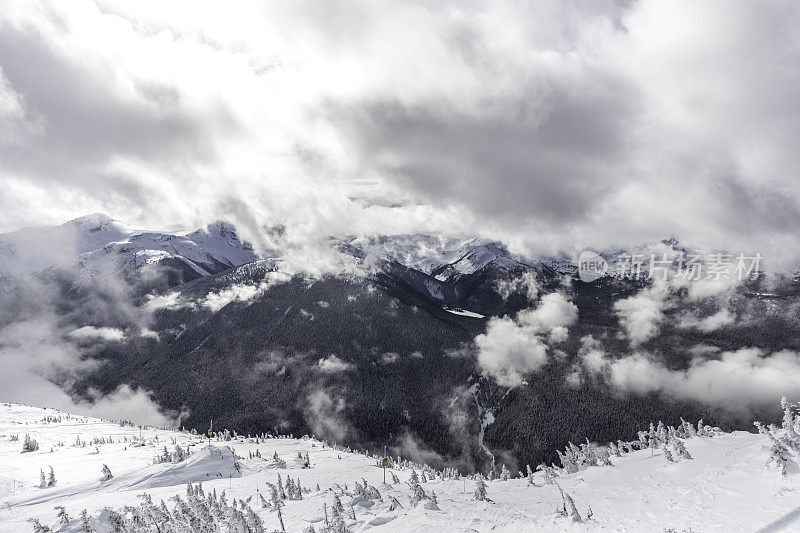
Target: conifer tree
(280, 520)
(337, 504)
(337, 521)
(681, 449)
(29, 445)
(281, 492)
(480, 489)
(86, 527)
(38, 527)
(63, 517)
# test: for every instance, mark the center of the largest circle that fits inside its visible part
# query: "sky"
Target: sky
(551, 125)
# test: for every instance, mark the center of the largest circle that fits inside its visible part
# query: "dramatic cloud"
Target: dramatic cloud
(550, 125)
(735, 380)
(512, 347)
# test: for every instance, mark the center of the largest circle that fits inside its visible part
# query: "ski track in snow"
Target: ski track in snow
(725, 487)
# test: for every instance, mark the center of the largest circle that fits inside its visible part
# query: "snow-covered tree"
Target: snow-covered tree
(788, 419)
(51, 478)
(569, 510)
(668, 454)
(280, 520)
(548, 471)
(29, 445)
(338, 524)
(281, 492)
(86, 527)
(779, 454)
(63, 517)
(680, 449)
(106, 472)
(480, 489)
(504, 474)
(38, 527)
(276, 500)
(337, 504)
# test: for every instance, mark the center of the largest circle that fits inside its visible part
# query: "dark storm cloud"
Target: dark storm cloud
(553, 159)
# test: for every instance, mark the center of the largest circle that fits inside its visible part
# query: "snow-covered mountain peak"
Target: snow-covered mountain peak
(93, 220)
(100, 245)
(437, 255)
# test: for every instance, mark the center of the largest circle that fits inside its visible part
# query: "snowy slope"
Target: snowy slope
(101, 246)
(206, 251)
(31, 250)
(725, 487)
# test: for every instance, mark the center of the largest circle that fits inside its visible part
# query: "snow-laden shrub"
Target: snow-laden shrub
(198, 512)
(30, 445)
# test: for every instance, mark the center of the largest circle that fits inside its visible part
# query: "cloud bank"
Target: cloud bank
(549, 125)
(735, 380)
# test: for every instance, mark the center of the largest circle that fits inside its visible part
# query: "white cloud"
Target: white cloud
(34, 357)
(333, 364)
(126, 403)
(87, 333)
(324, 415)
(707, 324)
(553, 311)
(389, 358)
(512, 347)
(506, 351)
(170, 300)
(736, 380)
(526, 283)
(146, 333)
(243, 292)
(640, 315)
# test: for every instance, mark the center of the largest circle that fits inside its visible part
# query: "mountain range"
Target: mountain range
(389, 350)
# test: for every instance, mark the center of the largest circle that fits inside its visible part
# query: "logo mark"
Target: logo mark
(591, 266)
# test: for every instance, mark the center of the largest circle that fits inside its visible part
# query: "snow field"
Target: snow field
(724, 487)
